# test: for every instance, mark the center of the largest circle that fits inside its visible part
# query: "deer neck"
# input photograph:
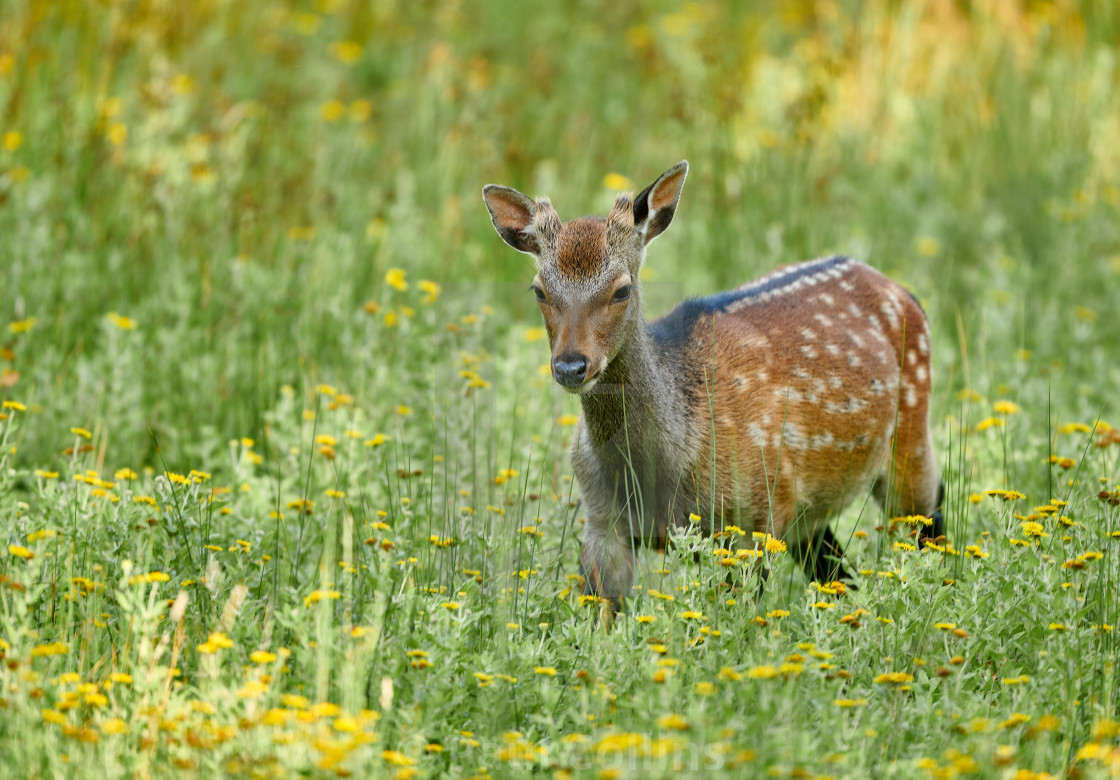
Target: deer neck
(637, 399)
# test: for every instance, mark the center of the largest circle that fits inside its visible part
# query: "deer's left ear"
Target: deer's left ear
(655, 205)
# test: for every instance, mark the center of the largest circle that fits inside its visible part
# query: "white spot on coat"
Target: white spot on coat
(890, 314)
(911, 394)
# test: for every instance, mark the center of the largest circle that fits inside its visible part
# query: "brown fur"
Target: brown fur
(807, 413)
(581, 248)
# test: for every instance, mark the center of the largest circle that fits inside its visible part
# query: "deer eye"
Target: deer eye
(539, 293)
(621, 294)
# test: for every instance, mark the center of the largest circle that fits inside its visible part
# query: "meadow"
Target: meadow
(284, 482)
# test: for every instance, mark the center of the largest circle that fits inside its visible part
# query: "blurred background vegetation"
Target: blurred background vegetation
(236, 178)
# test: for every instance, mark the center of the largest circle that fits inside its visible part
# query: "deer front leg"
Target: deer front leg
(607, 565)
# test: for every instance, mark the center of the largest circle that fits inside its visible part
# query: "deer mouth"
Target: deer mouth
(583, 387)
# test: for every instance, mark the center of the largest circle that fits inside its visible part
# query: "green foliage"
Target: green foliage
(247, 239)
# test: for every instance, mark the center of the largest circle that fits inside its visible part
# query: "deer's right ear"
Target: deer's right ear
(512, 215)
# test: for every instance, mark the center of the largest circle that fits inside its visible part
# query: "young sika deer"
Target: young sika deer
(770, 406)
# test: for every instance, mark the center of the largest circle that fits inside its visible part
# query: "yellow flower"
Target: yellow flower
(451, 606)
(619, 743)
(1005, 407)
(928, 246)
(117, 133)
(691, 615)
(849, 702)
(617, 182)
(12, 140)
(262, 657)
(912, 520)
(319, 595)
(765, 672)
(113, 726)
(347, 52)
(1034, 529)
(674, 722)
(567, 419)
(396, 758)
(54, 716)
(774, 545)
(20, 552)
(360, 111)
(124, 323)
(395, 278)
(220, 640)
(54, 648)
(989, 422)
(430, 289)
(1016, 719)
(332, 110)
(504, 475)
(16, 405)
(182, 84)
(547, 671)
(895, 677)
(294, 701)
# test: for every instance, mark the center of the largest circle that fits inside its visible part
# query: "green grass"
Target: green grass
(191, 171)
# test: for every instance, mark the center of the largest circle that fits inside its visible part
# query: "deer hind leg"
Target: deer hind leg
(913, 486)
(822, 558)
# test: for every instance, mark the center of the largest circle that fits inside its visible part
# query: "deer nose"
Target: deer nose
(570, 370)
